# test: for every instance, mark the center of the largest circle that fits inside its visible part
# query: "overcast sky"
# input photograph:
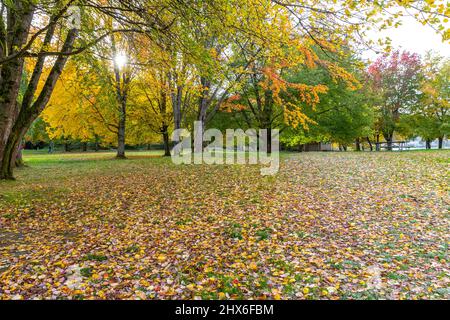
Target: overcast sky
(412, 36)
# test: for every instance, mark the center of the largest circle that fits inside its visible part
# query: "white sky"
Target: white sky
(412, 36)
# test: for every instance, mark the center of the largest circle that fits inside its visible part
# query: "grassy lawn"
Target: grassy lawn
(328, 225)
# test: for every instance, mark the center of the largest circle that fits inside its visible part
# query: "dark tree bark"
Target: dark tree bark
(358, 144)
(165, 135)
(388, 136)
(122, 81)
(441, 142)
(51, 147)
(428, 144)
(269, 140)
(370, 143)
(19, 17)
(19, 157)
(84, 146)
(177, 100)
(30, 110)
(97, 143)
(121, 134)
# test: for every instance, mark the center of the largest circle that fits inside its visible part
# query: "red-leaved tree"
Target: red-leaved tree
(395, 80)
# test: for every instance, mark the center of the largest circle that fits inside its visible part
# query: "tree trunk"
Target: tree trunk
(177, 99)
(378, 146)
(8, 163)
(84, 147)
(358, 144)
(166, 142)
(12, 39)
(441, 142)
(12, 149)
(370, 144)
(269, 140)
(176, 102)
(51, 146)
(96, 143)
(428, 144)
(121, 138)
(122, 81)
(66, 147)
(31, 108)
(388, 137)
(19, 157)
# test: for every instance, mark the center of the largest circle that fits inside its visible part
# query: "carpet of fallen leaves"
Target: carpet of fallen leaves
(328, 226)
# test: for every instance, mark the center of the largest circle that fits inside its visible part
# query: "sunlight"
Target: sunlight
(120, 60)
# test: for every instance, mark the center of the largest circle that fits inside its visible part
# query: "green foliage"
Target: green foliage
(37, 132)
(342, 115)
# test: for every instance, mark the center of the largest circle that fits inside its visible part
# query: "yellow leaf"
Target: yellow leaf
(162, 258)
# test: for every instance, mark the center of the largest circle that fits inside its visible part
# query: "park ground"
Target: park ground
(327, 226)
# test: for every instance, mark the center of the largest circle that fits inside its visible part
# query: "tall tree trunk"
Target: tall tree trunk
(12, 39)
(121, 136)
(428, 143)
(176, 106)
(204, 103)
(176, 97)
(388, 137)
(51, 147)
(19, 156)
(165, 135)
(96, 143)
(358, 144)
(269, 140)
(203, 100)
(122, 81)
(370, 143)
(8, 163)
(30, 110)
(441, 142)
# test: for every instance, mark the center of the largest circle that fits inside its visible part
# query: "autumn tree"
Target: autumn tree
(150, 103)
(204, 30)
(58, 29)
(16, 115)
(395, 79)
(344, 115)
(76, 109)
(433, 109)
